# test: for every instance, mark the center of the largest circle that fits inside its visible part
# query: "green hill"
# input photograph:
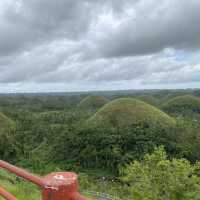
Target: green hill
(127, 111)
(185, 104)
(148, 99)
(92, 102)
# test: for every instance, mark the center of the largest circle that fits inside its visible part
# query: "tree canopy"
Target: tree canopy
(158, 178)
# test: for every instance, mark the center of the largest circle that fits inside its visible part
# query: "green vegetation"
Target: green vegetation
(113, 146)
(5, 123)
(127, 111)
(185, 105)
(158, 178)
(6, 127)
(92, 102)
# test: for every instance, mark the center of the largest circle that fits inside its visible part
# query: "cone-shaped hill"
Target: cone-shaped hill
(148, 99)
(92, 102)
(127, 111)
(184, 104)
(5, 123)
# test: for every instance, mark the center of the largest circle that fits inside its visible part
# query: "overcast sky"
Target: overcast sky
(73, 45)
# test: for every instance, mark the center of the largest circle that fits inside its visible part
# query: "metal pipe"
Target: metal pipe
(22, 173)
(6, 195)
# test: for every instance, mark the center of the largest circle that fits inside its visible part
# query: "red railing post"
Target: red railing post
(61, 186)
(55, 186)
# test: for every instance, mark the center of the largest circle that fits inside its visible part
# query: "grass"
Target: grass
(19, 188)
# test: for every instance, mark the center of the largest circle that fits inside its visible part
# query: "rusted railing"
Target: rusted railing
(55, 186)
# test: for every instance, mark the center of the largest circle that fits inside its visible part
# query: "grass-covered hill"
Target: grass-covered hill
(128, 111)
(185, 104)
(92, 102)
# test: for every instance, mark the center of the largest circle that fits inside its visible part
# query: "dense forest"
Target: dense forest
(131, 144)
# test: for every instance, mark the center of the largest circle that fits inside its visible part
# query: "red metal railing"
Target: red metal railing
(55, 186)
(6, 194)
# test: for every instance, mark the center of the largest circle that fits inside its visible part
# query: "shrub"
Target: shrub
(158, 178)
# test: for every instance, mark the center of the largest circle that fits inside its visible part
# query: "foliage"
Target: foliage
(106, 148)
(5, 123)
(158, 178)
(7, 126)
(186, 140)
(51, 133)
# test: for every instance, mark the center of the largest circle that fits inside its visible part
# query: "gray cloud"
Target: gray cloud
(151, 27)
(25, 24)
(87, 44)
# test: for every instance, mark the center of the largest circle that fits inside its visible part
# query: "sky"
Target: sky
(81, 45)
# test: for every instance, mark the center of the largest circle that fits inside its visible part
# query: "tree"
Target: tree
(158, 178)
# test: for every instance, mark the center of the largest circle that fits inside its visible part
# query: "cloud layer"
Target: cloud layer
(87, 45)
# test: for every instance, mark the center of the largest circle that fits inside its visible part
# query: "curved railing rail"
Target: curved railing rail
(55, 186)
(6, 194)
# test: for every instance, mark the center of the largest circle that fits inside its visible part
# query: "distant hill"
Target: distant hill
(92, 102)
(127, 111)
(148, 99)
(185, 104)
